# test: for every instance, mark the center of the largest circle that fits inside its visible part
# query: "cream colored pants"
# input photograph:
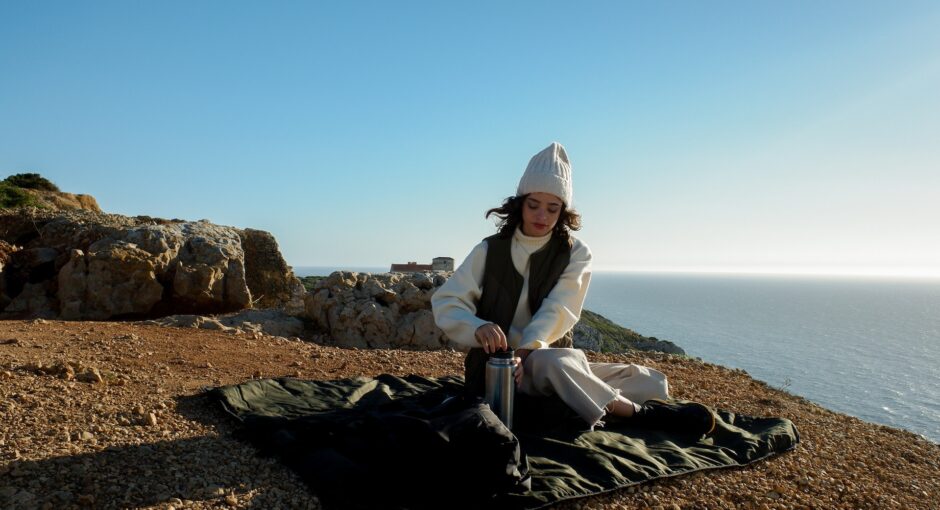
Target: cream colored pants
(588, 387)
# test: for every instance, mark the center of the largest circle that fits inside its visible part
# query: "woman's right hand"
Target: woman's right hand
(492, 338)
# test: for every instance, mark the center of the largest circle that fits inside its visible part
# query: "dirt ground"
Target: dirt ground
(111, 415)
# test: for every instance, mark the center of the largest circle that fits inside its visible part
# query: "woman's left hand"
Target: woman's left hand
(519, 362)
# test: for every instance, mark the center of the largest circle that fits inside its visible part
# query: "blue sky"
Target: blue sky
(783, 136)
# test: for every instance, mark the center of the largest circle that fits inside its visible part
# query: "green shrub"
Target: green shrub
(13, 196)
(31, 181)
(310, 282)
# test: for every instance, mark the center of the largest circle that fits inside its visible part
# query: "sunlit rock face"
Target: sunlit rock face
(377, 310)
(78, 264)
(366, 310)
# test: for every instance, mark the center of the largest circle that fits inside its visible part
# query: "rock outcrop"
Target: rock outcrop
(270, 279)
(79, 264)
(6, 251)
(366, 310)
(59, 201)
(595, 332)
(377, 310)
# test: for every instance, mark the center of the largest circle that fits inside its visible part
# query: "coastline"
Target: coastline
(864, 347)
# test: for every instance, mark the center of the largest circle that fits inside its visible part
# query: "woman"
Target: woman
(524, 287)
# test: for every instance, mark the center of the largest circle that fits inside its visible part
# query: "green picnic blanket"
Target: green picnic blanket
(356, 443)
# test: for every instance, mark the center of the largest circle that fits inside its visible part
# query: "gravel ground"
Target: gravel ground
(110, 415)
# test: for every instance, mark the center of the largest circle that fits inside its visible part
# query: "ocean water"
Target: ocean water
(868, 347)
(327, 270)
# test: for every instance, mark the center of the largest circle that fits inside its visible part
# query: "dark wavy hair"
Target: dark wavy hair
(510, 217)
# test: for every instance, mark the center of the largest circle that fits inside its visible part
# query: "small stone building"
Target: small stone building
(438, 264)
(442, 264)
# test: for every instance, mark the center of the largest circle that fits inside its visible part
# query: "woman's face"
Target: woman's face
(540, 212)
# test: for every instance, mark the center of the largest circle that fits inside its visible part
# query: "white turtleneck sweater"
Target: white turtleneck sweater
(454, 303)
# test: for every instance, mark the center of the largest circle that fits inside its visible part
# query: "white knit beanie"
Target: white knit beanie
(549, 171)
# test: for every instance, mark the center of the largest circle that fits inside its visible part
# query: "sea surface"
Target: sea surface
(868, 347)
(864, 346)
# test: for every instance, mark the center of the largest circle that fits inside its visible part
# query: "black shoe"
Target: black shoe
(687, 418)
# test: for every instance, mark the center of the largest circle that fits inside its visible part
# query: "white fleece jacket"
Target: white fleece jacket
(454, 303)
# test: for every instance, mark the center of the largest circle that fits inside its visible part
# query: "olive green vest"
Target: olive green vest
(502, 288)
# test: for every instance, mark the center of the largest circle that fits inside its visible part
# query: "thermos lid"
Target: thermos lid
(503, 354)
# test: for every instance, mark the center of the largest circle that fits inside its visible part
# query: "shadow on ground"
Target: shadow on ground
(203, 470)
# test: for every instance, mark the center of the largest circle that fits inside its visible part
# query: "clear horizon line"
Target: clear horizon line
(865, 271)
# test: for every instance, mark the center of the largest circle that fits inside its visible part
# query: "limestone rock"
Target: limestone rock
(365, 310)
(79, 264)
(376, 310)
(58, 200)
(419, 331)
(34, 300)
(114, 279)
(6, 252)
(272, 281)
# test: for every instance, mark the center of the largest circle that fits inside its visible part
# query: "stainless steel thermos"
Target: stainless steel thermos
(501, 385)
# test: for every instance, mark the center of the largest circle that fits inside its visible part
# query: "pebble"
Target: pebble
(63, 496)
(904, 475)
(92, 375)
(212, 491)
(23, 499)
(152, 420)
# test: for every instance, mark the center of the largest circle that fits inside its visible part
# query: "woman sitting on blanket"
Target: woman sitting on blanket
(523, 288)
